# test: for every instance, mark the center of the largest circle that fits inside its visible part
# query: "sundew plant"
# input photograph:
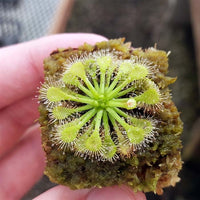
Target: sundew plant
(103, 105)
(107, 118)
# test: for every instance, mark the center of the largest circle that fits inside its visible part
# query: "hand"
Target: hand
(22, 159)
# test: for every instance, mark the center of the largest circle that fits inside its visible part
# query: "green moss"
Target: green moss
(149, 167)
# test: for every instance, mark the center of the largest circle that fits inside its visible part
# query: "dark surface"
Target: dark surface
(145, 23)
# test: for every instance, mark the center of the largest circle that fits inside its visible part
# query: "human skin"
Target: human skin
(22, 159)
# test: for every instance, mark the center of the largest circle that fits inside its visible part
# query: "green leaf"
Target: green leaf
(135, 134)
(78, 69)
(55, 94)
(104, 62)
(69, 133)
(110, 148)
(60, 112)
(71, 79)
(151, 97)
(138, 72)
(93, 143)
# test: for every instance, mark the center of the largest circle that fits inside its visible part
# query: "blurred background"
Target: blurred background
(174, 25)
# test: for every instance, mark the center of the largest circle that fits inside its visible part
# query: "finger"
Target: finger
(137, 195)
(22, 167)
(63, 193)
(14, 120)
(22, 64)
(116, 193)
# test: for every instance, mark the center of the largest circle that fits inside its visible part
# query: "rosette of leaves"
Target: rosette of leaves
(103, 111)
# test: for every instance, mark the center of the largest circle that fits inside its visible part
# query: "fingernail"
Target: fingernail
(114, 193)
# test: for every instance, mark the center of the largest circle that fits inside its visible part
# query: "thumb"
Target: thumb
(114, 193)
(107, 193)
(63, 193)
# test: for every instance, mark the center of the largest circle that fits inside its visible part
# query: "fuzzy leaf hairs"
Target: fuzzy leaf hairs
(107, 118)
